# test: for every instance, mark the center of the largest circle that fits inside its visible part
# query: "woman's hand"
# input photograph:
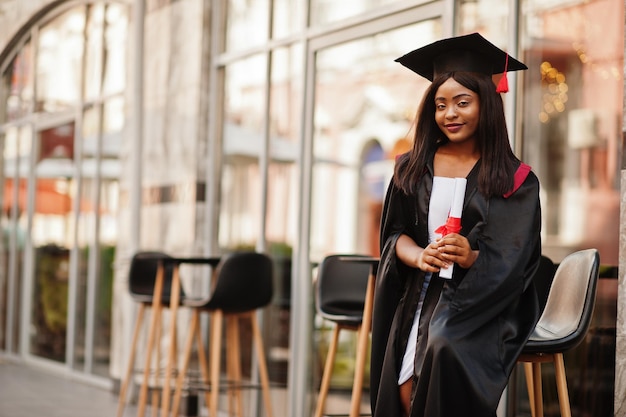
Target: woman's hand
(431, 259)
(455, 248)
(428, 259)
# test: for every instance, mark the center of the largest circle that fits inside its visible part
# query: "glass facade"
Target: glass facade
(363, 106)
(307, 110)
(61, 122)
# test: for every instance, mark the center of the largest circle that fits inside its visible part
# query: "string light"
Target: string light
(555, 96)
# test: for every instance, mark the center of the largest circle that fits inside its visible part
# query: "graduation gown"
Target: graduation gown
(473, 326)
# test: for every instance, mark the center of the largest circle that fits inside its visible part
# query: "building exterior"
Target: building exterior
(200, 127)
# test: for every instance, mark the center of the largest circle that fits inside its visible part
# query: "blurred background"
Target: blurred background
(201, 127)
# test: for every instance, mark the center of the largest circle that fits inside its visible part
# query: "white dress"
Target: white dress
(439, 207)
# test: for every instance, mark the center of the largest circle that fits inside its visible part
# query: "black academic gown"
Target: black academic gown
(472, 327)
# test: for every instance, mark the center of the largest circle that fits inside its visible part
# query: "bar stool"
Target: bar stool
(150, 290)
(242, 285)
(340, 297)
(562, 325)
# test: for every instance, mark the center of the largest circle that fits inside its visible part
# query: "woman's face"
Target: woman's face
(457, 111)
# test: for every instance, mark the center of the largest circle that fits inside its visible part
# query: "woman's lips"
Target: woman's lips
(454, 127)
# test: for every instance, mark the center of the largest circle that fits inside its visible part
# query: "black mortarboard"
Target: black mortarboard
(462, 53)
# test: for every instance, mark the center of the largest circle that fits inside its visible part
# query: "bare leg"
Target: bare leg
(405, 396)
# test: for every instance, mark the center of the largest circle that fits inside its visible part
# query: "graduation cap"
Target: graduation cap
(471, 53)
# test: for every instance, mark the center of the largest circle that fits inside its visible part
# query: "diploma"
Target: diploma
(453, 223)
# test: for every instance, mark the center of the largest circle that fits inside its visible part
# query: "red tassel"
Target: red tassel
(503, 84)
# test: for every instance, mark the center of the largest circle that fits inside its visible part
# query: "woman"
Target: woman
(446, 347)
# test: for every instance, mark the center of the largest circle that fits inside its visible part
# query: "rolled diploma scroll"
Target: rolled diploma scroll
(453, 224)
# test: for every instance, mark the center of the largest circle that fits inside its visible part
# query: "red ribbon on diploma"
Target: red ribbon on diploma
(453, 225)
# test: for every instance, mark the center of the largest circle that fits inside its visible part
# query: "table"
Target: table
(363, 338)
(156, 314)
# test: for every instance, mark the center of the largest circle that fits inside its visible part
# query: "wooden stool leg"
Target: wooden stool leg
(154, 398)
(171, 360)
(131, 361)
(183, 369)
(538, 389)
(328, 370)
(362, 347)
(528, 372)
(204, 366)
(561, 385)
(264, 375)
(156, 309)
(233, 361)
(216, 343)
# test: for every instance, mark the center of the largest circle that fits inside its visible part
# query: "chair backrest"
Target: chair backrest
(340, 288)
(142, 275)
(543, 279)
(567, 315)
(243, 282)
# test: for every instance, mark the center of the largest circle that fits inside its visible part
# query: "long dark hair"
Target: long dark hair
(497, 160)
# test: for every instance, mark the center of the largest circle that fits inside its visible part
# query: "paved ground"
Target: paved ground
(30, 391)
(33, 391)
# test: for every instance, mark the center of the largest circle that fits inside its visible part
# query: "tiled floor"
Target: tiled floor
(30, 391)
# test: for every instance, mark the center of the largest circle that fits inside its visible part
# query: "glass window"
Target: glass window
(18, 86)
(489, 17)
(573, 97)
(282, 187)
(93, 51)
(286, 101)
(51, 238)
(115, 41)
(288, 17)
(80, 50)
(247, 24)
(14, 234)
(363, 98)
(328, 11)
(364, 108)
(285, 132)
(59, 61)
(572, 116)
(243, 142)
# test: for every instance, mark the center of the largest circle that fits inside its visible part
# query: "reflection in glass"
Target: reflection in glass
(108, 205)
(288, 17)
(59, 59)
(13, 233)
(363, 99)
(572, 116)
(489, 17)
(247, 24)
(281, 229)
(328, 11)
(240, 210)
(244, 106)
(93, 51)
(115, 44)
(85, 227)
(285, 101)
(105, 50)
(51, 241)
(17, 86)
(364, 106)
(244, 115)
(82, 49)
